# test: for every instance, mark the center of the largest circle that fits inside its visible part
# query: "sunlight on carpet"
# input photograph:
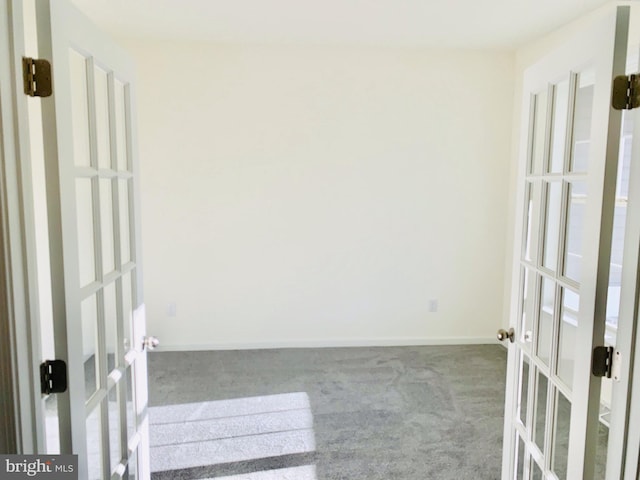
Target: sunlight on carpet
(237, 430)
(307, 472)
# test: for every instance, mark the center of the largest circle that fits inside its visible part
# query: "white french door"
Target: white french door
(566, 184)
(91, 167)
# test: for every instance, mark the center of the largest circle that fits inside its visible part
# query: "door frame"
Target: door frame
(21, 407)
(623, 459)
(632, 440)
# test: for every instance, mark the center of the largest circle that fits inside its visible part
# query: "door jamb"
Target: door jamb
(20, 327)
(625, 410)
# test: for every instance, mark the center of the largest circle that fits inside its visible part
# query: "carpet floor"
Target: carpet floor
(409, 413)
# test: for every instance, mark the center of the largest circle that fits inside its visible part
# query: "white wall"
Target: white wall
(323, 196)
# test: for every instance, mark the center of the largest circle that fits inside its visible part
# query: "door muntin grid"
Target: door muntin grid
(107, 261)
(542, 337)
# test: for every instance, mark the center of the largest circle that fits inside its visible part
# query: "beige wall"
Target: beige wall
(323, 196)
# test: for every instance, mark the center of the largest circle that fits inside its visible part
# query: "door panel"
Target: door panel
(552, 399)
(94, 236)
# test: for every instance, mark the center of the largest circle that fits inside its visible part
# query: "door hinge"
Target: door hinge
(36, 75)
(53, 377)
(626, 92)
(606, 363)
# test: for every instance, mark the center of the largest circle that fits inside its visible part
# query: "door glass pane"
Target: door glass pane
(106, 217)
(553, 206)
(581, 137)
(615, 273)
(568, 335)
(52, 426)
(131, 412)
(536, 472)
(114, 428)
(528, 308)
(132, 466)
(619, 223)
(89, 311)
(545, 319)
(520, 459)
(127, 311)
(123, 211)
(624, 160)
(539, 132)
(601, 451)
(575, 227)
(121, 124)
(559, 129)
(94, 444)
(540, 411)
(86, 243)
(531, 191)
(111, 324)
(561, 436)
(103, 142)
(79, 109)
(523, 398)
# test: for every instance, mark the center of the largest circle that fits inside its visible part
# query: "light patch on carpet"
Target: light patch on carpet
(227, 408)
(307, 472)
(227, 431)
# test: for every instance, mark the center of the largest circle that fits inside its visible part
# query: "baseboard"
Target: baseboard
(329, 343)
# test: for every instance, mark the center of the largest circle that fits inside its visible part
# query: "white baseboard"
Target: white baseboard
(336, 342)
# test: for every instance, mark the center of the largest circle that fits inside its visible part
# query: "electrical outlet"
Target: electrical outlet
(433, 305)
(171, 309)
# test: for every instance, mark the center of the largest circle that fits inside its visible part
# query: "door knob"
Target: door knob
(504, 334)
(150, 343)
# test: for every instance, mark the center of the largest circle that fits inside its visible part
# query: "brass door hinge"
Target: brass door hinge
(626, 92)
(37, 77)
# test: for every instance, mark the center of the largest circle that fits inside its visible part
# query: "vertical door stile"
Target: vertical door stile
(139, 305)
(510, 435)
(66, 303)
(597, 255)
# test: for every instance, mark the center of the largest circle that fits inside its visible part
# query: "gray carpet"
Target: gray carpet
(410, 413)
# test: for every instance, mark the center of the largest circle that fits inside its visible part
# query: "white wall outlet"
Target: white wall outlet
(171, 309)
(433, 305)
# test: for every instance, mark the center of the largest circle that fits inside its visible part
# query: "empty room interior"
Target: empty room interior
(291, 252)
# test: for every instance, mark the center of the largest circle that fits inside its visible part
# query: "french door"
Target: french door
(92, 209)
(566, 187)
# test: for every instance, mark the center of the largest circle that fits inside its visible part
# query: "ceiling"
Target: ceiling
(495, 24)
